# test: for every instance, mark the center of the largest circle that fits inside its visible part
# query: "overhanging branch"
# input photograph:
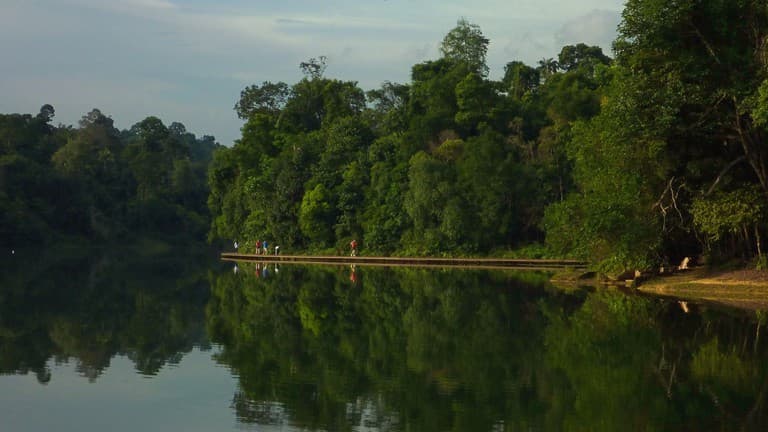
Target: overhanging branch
(722, 173)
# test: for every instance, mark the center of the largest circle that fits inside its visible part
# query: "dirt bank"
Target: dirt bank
(746, 289)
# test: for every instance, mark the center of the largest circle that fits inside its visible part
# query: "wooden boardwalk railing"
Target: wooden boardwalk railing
(495, 263)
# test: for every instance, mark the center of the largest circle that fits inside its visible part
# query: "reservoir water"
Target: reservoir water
(181, 341)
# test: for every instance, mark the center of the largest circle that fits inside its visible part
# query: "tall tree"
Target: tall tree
(466, 43)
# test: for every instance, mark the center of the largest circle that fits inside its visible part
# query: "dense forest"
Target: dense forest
(630, 162)
(98, 183)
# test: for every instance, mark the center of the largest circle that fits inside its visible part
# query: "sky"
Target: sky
(187, 60)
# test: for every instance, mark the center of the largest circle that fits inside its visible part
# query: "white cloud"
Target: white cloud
(133, 7)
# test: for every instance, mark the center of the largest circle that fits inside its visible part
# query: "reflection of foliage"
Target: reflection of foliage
(410, 349)
(631, 364)
(402, 349)
(607, 350)
(90, 309)
(410, 345)
(723, 369)
(734, 383)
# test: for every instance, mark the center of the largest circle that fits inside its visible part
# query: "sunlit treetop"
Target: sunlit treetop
(466, 43)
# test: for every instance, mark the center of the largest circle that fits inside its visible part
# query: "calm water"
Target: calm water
(108, 343)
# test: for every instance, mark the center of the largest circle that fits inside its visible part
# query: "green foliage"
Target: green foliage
(611, 218)
(475, 99)
(520, 79)
(316, 216)
(390, 103)
(760, 113)
(606, 158)
(433, 104)
(466, 43)
(268, 98)
(432, 203)
(728, 212)
(447, 163)
(384, 219)
(98, 182)
(622, 162)
(581, 56)
(698, 90)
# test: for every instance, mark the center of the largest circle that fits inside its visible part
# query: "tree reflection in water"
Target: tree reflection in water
(90, 305)
(337, 348)
(428, 350)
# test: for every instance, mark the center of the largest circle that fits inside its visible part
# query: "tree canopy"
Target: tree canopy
(626, 162)
(99, 183)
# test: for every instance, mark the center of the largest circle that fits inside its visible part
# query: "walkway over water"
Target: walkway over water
(490, 263)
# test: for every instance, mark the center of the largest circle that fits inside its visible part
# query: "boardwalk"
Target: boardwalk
(489, 263)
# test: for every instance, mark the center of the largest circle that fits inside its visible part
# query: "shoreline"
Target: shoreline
(744, 289)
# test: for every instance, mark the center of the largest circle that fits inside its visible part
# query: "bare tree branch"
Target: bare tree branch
(722, 173)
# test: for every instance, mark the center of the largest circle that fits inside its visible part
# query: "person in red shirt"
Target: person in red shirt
(353, 246)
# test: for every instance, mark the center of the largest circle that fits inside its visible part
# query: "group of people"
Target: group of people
(260, 247)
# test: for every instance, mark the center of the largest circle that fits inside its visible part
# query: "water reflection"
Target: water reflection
(342, 348)
(360, 348)
(88, 306)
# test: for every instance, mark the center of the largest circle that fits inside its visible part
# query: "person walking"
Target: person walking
(258, 247)
(353, 246)
(266, 247)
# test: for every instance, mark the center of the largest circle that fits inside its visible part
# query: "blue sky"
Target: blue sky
(188, 60)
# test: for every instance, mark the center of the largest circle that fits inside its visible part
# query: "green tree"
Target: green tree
(433, 202)
(520, 79)
(698, 87)
(91, 159)
(268, 98)
(581, 56)
(735, 215)
(389, 112)
(611, 218)
(466, 43)
(384, 218)
(30, 192)
(316, 216)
